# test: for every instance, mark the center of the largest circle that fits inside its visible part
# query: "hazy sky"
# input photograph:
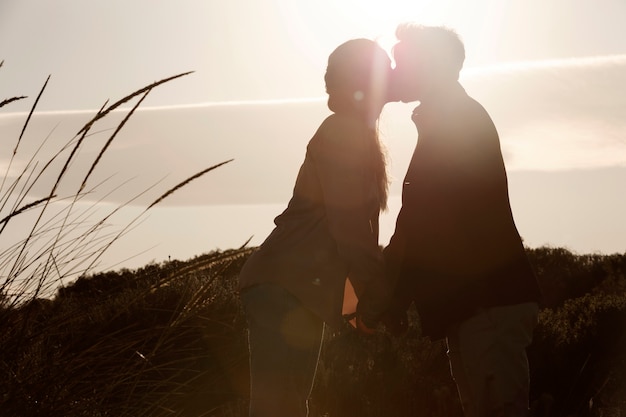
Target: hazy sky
(263, 49)
(551, 73)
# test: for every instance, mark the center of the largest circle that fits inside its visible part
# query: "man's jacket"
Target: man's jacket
(456, 248)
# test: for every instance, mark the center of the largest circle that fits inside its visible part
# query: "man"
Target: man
(456, 251)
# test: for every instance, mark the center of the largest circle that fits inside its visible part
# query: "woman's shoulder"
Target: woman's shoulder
(341, 121)
(340, 131)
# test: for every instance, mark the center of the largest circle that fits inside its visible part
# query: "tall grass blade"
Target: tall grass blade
(11, 100)
(30, 114)
(25, 208)
(185, 182)
(108, 143)
(118, 103)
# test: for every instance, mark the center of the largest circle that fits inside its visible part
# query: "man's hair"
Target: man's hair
(440, 45)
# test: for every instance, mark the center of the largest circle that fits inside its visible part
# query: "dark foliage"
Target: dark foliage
(163, 340)
(170, 340)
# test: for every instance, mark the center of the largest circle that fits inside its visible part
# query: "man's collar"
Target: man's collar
(441, 99)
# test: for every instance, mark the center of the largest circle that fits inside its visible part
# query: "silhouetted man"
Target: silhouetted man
(456, 251)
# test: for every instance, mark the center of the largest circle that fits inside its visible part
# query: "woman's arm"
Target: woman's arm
(342, 161)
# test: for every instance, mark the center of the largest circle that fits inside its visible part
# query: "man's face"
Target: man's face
(406, 79)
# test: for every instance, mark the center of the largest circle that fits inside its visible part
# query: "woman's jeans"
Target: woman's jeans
(284, 341)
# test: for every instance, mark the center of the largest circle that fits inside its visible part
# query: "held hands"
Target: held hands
(396, 322)
(356, 320)
(366, 329)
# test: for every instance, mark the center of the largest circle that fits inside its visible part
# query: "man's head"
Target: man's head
(428, 58)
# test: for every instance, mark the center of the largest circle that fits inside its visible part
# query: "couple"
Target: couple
(455, 253)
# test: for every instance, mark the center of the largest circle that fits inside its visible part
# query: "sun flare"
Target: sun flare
(373, 19)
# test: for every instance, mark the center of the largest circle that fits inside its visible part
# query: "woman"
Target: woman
(295, 282)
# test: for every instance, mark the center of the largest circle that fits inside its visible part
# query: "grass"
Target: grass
(55, 361)
(60, 243)
(140, 343)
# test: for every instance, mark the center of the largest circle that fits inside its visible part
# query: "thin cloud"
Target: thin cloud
(551, 115)
(516, 66)
(190, 106)
(557, 115)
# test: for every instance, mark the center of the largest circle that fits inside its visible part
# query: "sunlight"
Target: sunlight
(378, 19)
(379, 16)
(373, 19)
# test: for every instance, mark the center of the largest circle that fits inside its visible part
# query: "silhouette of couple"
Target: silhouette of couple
(455, 252)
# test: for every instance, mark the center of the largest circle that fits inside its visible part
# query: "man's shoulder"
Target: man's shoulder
(473, 110)
(470, 103)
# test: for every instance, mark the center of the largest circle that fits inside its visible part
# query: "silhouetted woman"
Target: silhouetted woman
(295, 282)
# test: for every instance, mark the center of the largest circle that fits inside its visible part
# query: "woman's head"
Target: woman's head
(356, 78)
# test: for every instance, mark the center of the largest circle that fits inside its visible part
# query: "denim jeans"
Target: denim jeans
(488, 361)
(284, 340)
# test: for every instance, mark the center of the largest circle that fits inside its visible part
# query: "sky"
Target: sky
(551, 74)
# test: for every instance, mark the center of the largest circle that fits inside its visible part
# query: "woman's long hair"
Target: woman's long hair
(356, 79)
